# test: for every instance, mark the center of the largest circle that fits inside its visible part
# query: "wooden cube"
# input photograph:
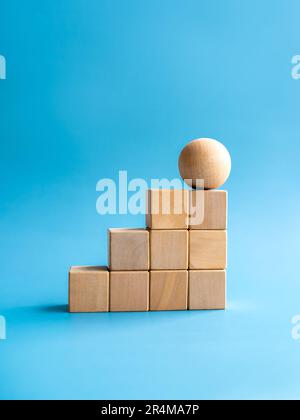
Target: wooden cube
(207, 289)
(208, 210)
(208, 249)
(128, 249)
(89, 289)
(168, 290)
(169, 249)
(167, 209)
(129, 291)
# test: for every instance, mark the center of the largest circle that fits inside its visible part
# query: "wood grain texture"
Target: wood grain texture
(129, 291)
(208, 249)
(168, 290)
(169, 249)
(207, 289)
(167, 209)
(128, 249)
(208, 210)
(89, 289)
(207, 160)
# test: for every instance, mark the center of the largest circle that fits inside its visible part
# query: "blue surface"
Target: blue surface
(94, 87)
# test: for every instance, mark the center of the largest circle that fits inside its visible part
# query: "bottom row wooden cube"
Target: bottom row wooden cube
(88, 289)
(168, 290)
(94, 289)
(207, 289)
(129, 291)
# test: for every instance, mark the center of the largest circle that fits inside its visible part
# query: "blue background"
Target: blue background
(97, 86)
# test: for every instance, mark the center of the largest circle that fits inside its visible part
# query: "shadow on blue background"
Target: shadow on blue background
(94, 87)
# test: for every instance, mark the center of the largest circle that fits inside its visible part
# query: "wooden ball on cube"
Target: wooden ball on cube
(207, 160)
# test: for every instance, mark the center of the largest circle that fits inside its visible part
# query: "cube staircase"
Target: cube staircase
(171, 265)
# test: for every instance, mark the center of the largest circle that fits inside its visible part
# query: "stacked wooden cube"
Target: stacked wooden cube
(208, 252)
(171, 265)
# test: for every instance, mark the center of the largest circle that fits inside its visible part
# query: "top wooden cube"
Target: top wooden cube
(128, 249)
(167, 209)
(208, 210)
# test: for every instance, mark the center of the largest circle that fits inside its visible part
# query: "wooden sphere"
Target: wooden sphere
(205, 159)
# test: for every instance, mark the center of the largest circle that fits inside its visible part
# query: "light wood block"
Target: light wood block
(128, 249)
(168, 290)
(208, 210)
(129, 291)
(169, 249)
(89, 289)
(167, 209)
(207, 289)
(208, 249)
